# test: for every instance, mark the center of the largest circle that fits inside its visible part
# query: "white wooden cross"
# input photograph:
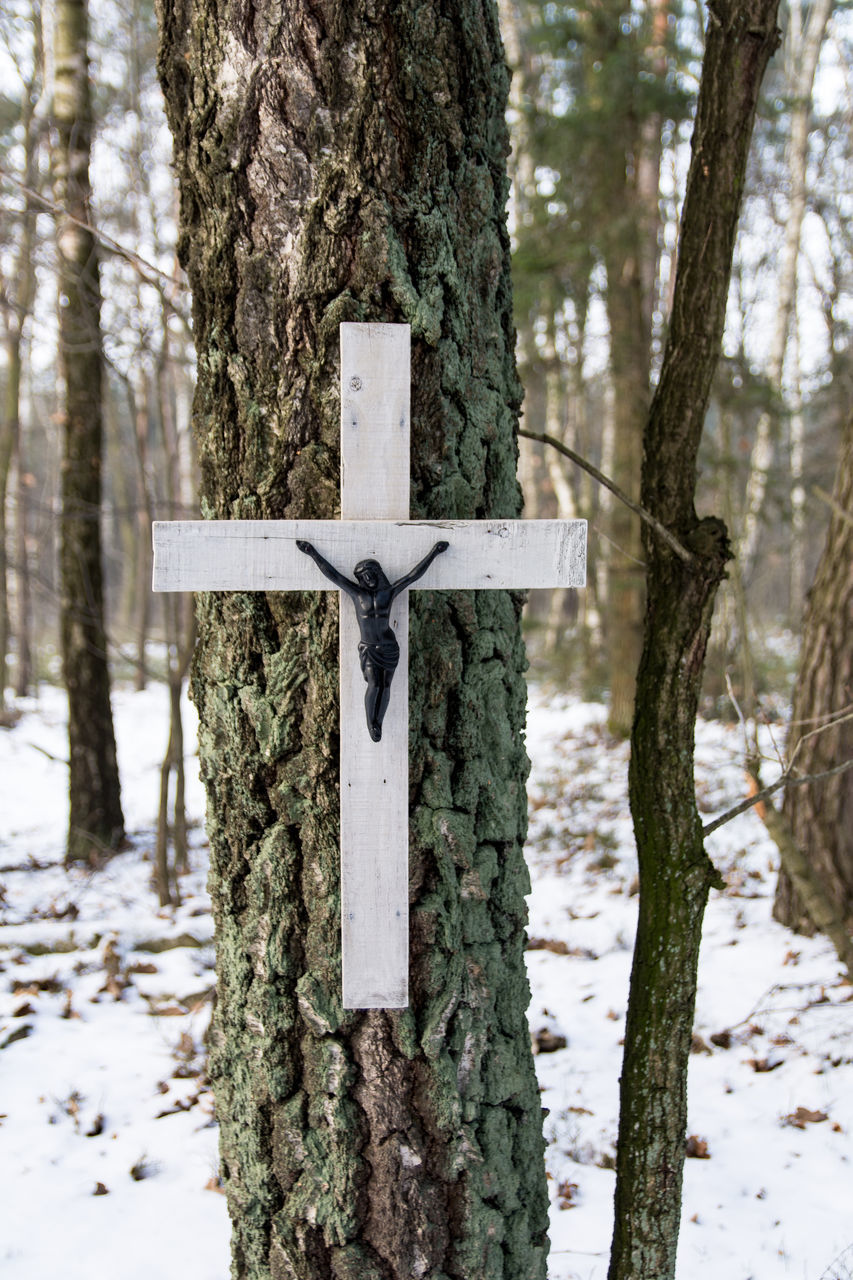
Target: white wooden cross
(261, 555)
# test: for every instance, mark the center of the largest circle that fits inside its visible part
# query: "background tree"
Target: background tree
(820, 814)
(95, 819)
(603, 97)
(347, 161)
(18, 297)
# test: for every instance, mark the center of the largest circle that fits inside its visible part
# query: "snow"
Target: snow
(102, 1086)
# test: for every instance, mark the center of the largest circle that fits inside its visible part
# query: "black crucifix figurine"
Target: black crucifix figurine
(378, 651)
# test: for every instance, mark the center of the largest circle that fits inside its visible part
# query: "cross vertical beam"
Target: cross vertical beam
(375, 417)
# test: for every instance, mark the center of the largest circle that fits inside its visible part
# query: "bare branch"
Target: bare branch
(786, 779)
(150, 273)
(661, 530)
(834, 506)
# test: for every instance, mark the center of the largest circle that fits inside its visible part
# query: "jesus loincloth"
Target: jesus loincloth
(384, 656)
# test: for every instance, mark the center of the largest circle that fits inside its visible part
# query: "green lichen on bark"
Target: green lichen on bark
(347, 162)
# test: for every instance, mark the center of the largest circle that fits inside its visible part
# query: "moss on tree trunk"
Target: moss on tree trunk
(346, 161)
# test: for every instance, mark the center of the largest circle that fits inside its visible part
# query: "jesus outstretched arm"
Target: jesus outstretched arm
(351, 588)
(419, 569)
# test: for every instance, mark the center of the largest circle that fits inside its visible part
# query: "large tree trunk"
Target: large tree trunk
(345, 160)
(820, 814)
(675, 872)
(95, 819)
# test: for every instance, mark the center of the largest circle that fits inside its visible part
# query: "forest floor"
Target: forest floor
(107, 1129)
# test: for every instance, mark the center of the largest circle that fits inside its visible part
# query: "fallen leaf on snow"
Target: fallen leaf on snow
(765, 1064)
(802, 1116)
(556, 945)
(567, 1195)
(545, 1041)
(697, 1148)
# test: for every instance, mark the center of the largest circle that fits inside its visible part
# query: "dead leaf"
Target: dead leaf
(696, 1148)
(752, 790)
(100, 1190)
(545, 1041)
(802, 1116)
(555, 945)
(722, 1039)
(97, 1127)
(567, 1195)
(762, 1065)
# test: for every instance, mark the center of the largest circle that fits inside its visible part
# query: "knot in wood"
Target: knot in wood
(709, 540)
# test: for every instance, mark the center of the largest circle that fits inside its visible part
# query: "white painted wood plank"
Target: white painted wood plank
(261, 555)
(374, 831)
(375, 393)
(374, 775)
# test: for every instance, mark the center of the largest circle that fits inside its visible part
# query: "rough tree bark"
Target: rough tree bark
(346, 160)
(95, 818)
(820, 815)
(675, 872)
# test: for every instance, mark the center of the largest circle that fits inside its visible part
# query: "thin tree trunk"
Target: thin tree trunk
(798, 493)
(95, 820)
(180, 656)
(347, 161)
(23, 587)
(629, 364)
(675, 872)
(558, 423)
(630, 184)
(180, 632)
(21, 305)
(9, 436)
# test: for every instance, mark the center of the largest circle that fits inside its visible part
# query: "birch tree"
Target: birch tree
(347, 161)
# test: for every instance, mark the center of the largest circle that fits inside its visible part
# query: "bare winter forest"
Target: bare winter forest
(125, 399)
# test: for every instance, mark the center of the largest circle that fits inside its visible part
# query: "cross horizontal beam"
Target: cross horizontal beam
(261, 555)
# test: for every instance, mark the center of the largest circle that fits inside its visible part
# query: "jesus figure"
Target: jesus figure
(378, 651)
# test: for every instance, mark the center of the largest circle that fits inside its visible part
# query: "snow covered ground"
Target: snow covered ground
(108, 1149)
